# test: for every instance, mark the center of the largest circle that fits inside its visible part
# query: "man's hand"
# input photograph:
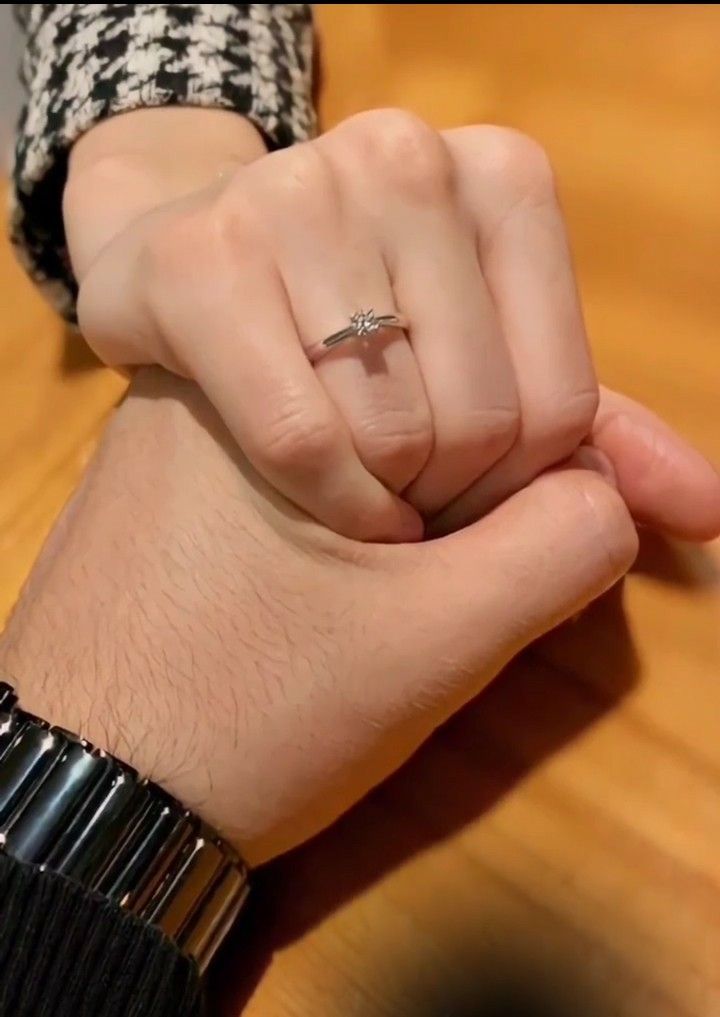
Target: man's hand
(267, 671)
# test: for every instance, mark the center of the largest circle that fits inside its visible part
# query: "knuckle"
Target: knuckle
(397, 446)
(524, 167)
(194, 247)
(576, 415)
(297, 437)
(569, 421)
(514, 163)
(489, 432)
(186, 258)
(177, 259)
(404, 152)
(306, 185)
(233, 225)
(169, 251)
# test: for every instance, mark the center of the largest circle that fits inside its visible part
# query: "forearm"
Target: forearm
(129, 632)
(78, 649)
(152, 621)
(116, 630)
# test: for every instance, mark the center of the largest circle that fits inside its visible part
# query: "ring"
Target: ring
(363, 324)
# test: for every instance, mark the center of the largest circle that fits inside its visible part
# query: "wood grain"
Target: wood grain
(566, 827)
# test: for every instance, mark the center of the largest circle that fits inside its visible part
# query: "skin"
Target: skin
(190, 612)
(269, 671)
(228, 266)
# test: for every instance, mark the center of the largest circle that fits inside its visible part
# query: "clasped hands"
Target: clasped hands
(240, 599)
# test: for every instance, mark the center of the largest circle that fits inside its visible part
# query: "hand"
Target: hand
(268, 671)
(236, 283)
(666, 483)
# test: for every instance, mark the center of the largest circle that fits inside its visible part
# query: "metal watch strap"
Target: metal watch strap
(78, 811)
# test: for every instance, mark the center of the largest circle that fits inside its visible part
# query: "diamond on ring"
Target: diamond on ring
(363, 324)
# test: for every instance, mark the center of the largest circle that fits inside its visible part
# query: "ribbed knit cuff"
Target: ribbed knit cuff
(68, 953)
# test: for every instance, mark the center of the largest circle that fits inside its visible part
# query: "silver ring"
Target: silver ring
(364, 324)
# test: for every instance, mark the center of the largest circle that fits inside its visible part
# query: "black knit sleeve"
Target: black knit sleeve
(85, 62)
(65, 952)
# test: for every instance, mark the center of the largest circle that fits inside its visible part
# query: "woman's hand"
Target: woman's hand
(237, 282)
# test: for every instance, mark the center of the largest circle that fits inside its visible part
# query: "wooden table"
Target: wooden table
(563, 835)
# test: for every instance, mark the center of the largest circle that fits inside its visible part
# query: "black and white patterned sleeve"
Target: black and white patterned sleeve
(85, 62)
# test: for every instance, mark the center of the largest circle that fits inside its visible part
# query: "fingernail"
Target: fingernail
(413, 529)
(410, 524)
(403, 526)
(589, 458)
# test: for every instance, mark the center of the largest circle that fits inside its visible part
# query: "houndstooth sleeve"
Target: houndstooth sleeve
(85, 62)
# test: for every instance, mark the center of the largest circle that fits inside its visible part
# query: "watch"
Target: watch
(75, 810)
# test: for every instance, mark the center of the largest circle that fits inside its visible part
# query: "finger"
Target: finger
(526, 261)
(374, 382)
(291, 432)
(666, 483)
(484, 593)
(223, 319)
(331, 269)
(465, 365)
(257, 376)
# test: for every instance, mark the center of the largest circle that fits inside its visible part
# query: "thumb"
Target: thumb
(473, 599)
(665, 482)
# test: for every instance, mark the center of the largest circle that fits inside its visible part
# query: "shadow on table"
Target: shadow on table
(542, 701)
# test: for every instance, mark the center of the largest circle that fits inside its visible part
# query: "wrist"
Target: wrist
(137, 161)
(135, 628)
(68, 806)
